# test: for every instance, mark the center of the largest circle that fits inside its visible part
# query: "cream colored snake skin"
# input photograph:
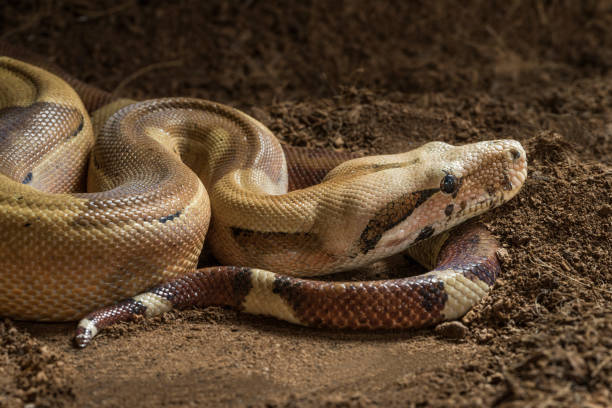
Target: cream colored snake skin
(159, 171)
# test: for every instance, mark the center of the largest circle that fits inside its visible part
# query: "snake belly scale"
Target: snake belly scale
(158, 172)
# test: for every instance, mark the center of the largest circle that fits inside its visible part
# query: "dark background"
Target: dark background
(258, 52)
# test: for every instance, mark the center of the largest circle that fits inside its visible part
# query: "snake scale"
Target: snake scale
(88, 221)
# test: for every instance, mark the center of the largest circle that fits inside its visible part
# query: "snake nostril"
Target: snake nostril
(515, 154)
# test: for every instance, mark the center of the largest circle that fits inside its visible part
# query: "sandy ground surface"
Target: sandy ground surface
(371, 77)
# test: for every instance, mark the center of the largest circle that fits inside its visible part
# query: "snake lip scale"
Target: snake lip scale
(105, 199)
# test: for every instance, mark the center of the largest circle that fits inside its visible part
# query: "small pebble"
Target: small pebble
(605, 210)
(451, 330)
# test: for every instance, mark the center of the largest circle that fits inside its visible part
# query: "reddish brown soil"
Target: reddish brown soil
(375, 77)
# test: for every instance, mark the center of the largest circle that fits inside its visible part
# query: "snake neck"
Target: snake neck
(365, 209)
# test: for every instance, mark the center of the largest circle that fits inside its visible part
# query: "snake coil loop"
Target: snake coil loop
(161, 170)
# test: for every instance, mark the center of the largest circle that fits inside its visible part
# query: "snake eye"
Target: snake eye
(449, 184)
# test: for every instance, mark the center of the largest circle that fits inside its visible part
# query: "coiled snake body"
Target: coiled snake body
(157, 171)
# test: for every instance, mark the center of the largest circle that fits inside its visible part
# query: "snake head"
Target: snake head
(438, 186)
(477, 177)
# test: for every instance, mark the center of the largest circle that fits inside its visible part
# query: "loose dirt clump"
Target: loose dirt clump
(30, 373)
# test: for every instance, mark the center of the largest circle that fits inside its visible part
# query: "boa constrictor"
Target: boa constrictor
(157, 171)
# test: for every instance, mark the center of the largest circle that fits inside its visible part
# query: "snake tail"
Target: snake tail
(466, 266)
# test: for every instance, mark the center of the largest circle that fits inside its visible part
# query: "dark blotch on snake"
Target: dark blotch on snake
(507, 183)
(165, 292)
(133, 306)
(78, 129)
(27, 179)
(449, 210)
(433, 296)
(425, 233)
(391, 215)
(291, 290)
(242, 283)
(283, 283)
(170, 217)
(486, 273)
